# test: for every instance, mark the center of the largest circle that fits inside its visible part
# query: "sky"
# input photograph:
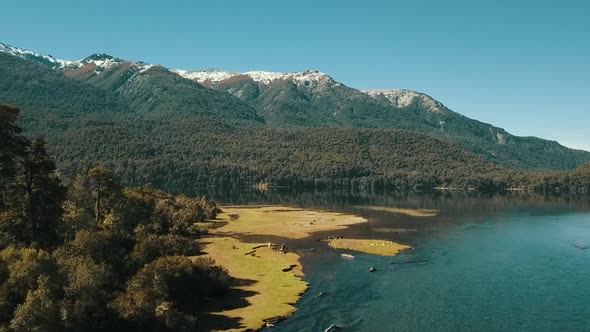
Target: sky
(521, 65)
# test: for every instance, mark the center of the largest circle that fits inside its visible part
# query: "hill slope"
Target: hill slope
(304, 99)
(155, 91)
(153, 125)
(181, 147)
(313, 99)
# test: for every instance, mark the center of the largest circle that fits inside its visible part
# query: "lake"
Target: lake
(499, 263)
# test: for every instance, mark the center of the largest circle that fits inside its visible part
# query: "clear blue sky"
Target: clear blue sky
(521, 65)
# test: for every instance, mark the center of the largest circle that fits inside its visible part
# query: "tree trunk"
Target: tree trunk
(97, 205)
(29, 202)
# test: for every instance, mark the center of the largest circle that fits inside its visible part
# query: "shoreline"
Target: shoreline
(272, 279)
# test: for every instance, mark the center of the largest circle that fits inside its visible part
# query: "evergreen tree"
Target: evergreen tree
(105, 190)
(78, 208)
(12, 146)
(43, 193)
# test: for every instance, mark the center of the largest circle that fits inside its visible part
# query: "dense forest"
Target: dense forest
(173, 156)
(327, 103)
(154, 126)
(95, 255)
(557, 183)
(293, 157)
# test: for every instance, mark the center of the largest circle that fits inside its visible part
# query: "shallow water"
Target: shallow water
(481, 264)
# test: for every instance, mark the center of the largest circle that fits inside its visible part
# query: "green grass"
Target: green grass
(275, 290)
(292, 223)
(373, 247)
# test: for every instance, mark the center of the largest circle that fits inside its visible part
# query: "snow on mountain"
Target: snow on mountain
(143, 66)
(104, 61)
(404, 98)
(309, 76)
(265, 77)
(48, 59)
(101, 61)
(213, 75)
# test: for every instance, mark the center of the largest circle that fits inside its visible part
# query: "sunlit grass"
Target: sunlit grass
(275, 290)
(373, 247)
(292, 223)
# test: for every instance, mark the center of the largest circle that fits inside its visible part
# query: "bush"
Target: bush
(170, 283)
(150, 247)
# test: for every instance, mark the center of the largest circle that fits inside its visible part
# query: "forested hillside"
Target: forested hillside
(153, 126)
(319, 101)
(295, 157)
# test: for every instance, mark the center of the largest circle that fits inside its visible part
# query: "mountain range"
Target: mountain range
(142, 118)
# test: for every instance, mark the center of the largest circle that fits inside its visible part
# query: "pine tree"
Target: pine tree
(44, 191)
(105, 192)
(12, 147)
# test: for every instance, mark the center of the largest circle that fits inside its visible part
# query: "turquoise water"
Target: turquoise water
(503, 263)
(516, 272)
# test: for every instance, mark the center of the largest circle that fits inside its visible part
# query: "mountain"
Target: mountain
(47, 60)
(180, 150)
(181, 129)
(112, 84)
(56, 101)
(314, 99)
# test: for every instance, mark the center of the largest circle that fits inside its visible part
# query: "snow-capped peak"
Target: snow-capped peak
(99, 56)
(304, 77)
(47, 59)
(404, 98)
(102, 61)
(265, 77)
(213, 75)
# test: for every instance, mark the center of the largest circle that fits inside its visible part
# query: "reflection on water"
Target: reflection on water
(404, 211)
(445, 202)
(500, 263)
